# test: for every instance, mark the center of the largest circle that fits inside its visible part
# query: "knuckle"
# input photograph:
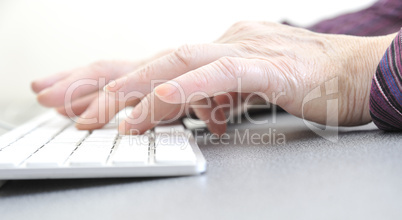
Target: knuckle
(252, 26)
(98, 65)
(201, 80)
(244, 26)
(184, 54)
(268, 23)
(145, 74)
(241, 24)
(229, 67)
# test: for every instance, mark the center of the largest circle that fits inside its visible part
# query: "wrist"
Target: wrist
(374, 49)
(360, 56)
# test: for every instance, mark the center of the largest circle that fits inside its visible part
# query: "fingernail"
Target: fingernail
(85, 117)
(165, 90)
(115, 85)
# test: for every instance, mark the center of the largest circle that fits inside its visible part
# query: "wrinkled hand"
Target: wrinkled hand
(281, 64)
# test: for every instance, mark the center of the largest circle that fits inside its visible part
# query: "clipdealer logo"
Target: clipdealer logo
(242, 137)
(330, 131)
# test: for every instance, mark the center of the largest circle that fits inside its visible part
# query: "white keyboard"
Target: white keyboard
(49, 147)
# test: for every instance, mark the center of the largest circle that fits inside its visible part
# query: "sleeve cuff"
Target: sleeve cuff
(386, 89)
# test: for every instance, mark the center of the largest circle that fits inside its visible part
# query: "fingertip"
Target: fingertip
(88, 121)
(62, 111)
(40, 84)
(83, 126)
(49, 98)
(168, 99)
(168, 93)
(80, 126)
(165, 90)
(126, 128)
(115, 85)
(122, 128)
(105, 89)
(35, 86)
(218, 129)
(53, 97)
(219, 125)
(43, 98)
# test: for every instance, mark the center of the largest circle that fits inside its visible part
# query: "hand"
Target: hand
(78, 92)
(268, 59)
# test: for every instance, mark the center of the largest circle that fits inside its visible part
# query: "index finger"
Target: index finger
(182, 60)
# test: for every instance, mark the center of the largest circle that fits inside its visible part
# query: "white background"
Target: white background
(38, 38)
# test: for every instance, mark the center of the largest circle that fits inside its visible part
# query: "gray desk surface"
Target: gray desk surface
(360, 177)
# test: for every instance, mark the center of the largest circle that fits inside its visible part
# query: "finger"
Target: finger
(43, 83)
(83, 81)
(100, 111)
(208, 111)
(147, 114)
(174, 115)
(234, 99)
(77, 107)
(228, 74)
(180, 61)
(228, 101)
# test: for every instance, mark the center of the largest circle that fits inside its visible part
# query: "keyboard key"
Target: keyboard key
(15, 154)
(169, 129)
(128, 140)
(178, 140)
(173, 149)
(22, 130)
(100, 139)
(7, 140)
(37, 136)
(36, 141)
(70, 137)
(58, 122)
(131, 150)
(105, 132)
(91, 154)
(173, 155)
(51, 155)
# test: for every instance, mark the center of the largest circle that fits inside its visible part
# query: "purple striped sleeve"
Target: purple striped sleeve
(381, 18)
(386, 89)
